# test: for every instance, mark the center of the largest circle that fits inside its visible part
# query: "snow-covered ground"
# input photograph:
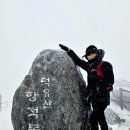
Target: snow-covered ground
(123, 114)
(117, 127)
(5, 118)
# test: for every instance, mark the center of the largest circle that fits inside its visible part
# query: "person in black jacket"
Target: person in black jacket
(100, 80)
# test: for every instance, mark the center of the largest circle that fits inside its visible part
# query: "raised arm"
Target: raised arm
(75, 58)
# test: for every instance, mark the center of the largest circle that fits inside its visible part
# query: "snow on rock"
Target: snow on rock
(51, 95)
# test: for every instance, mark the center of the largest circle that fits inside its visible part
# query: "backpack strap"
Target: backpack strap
(98, 69)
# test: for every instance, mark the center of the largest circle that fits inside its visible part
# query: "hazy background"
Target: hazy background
(29, 26)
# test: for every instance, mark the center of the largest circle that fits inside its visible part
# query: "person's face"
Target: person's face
(91, 55)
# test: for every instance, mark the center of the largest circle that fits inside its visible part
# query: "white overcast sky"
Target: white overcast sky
(29, 26)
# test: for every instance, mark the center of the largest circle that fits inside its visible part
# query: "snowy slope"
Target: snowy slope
(123, 114)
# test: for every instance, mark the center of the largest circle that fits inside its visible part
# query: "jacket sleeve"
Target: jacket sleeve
(77, 60)
(107, 70)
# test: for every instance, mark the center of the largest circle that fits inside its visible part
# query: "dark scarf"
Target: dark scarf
(94, 62)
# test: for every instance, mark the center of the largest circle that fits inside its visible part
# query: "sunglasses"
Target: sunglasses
(91, 52)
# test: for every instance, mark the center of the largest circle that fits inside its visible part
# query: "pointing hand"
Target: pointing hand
(64, 47)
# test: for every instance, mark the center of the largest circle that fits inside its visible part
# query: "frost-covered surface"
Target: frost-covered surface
(5, 118)
(123, 114)
(122, 83)
(5, 114)
(51, 95)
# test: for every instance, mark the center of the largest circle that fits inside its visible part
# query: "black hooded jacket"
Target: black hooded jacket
(97, 86)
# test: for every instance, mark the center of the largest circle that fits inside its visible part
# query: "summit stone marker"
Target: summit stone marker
(51, 95)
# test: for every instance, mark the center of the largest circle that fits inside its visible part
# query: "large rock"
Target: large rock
(51, 95)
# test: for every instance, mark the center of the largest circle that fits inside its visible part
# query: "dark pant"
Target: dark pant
(98, 116)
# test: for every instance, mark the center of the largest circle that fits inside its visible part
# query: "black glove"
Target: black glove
(64, 47)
